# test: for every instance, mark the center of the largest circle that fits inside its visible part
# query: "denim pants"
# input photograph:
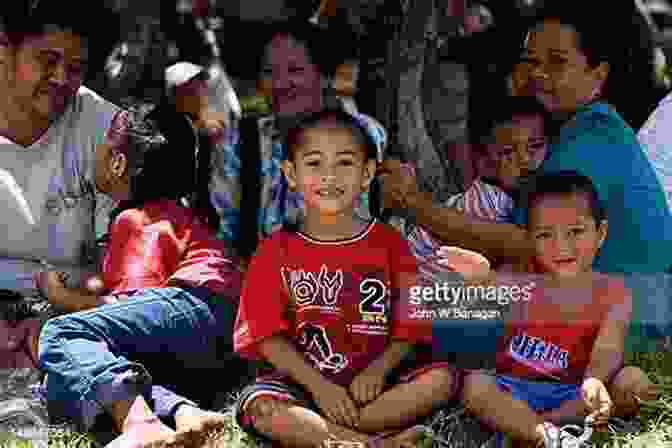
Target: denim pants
(151, 344)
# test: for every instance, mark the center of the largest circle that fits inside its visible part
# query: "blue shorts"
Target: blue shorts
(539, 395)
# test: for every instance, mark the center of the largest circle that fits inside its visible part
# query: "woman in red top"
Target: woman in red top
(168, 292)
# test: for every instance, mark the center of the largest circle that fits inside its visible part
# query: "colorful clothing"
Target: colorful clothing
(656, 140)
(481, 199)
(164, 243)
(340, 302)
(600, 145)
(278, 204)
(551, 337)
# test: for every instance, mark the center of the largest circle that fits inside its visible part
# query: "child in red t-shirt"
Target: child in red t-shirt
(562, 353)
(325, 307)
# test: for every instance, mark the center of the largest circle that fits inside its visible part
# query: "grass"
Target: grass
(656, 418)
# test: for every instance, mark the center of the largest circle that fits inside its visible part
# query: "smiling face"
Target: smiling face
(555, 70)
(330, 169)
(296, 84)
(565, 234)
(44, 72)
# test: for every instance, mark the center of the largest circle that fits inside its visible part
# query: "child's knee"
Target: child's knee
(630, 384)
(477, 386)
(443, 383)
(261, 412)
(633, 380)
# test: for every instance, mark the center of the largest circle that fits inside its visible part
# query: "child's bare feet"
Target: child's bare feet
(190, 418)
(143, 434)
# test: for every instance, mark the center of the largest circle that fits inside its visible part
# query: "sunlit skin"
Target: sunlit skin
(556, 71)
(516, 149)
(565, 235)
(42, 75)
(295, 82)
(330, 169)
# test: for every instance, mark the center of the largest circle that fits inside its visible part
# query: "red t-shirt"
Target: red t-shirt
(161, 242)
(340, 302)
(551, 336)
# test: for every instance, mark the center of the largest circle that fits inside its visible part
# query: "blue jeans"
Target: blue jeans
(96, 357)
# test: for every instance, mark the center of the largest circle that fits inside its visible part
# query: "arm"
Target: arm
(494, 240)
(607, 355)
(283, 356)
(69, 299)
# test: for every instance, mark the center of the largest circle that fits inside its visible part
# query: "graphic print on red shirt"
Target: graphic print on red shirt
(553, 335)
(340, 302)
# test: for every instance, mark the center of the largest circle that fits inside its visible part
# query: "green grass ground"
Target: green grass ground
(656, 419)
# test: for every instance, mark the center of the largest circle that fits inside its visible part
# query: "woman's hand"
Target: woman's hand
(471, 265)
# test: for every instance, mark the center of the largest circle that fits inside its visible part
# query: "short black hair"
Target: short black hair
(503, 111)
(562, 183)
(92, 20)
(333, 116)
(327, 48)
(166, 161)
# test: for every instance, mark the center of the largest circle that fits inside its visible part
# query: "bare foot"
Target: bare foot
(143, 434)
(190, 418)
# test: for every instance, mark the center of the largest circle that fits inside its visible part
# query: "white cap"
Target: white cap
(181, 73)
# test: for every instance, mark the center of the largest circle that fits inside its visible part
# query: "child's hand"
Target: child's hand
(368, 385)
(597, 400)
(336, 404)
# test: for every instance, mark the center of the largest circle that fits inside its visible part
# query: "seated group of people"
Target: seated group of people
(277, 256)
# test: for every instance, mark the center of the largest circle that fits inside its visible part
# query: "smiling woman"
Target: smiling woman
(49, 126)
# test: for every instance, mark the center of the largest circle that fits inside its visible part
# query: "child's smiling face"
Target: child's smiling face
(330, 168)
(565, 234)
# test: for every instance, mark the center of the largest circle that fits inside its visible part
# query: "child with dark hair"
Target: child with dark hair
(509, 144)
(168, 290)
(326, 306)
(561, 356)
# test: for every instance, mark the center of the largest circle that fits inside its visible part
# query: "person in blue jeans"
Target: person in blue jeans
(168, 297)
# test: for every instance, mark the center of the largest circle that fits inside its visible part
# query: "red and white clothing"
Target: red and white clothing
(551, 336)
(481, 200)
(339, 302)
(164, 242)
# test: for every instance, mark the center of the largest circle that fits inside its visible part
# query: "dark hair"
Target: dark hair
(91, 20)
(339, 118)
(166, 165)
(318, 42)
(563, 183)
(502, 111)
(619, 41)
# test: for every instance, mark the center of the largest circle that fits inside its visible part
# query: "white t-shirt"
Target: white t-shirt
(51, 210)
(656, 140)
